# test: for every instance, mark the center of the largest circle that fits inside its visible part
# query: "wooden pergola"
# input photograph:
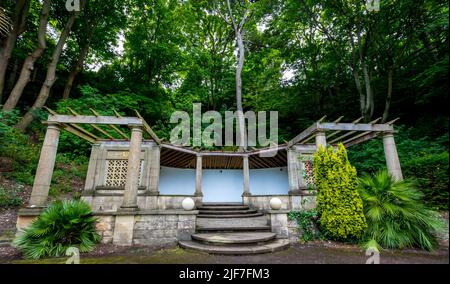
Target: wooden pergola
(346, 133)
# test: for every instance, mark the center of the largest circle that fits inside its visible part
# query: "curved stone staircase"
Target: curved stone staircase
(233, 228)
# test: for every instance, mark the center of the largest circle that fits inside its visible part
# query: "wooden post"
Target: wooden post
(246, 173)
(45, 167)
(134, 162)
(392, 160)
(198, 176)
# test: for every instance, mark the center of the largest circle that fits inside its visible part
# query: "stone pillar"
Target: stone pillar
(89, 185)
(392, 161)
(44, 171)
(134, 162)
(198, 176)
(321, 139)
(246, 173)
(154, 170)
(292, 166)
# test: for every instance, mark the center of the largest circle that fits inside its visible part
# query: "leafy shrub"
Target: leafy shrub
(9, 198)
(63, 224)
(431, 175)
(338, 201)
(307, 222)
(396, 215)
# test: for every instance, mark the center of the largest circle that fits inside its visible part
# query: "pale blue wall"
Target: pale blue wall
(271, 181)
(176, 181)
(223, 185)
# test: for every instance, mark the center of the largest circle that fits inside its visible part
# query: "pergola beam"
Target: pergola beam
(361, 139)
(302, 136)
(91, 119)
(362, 127)
(339, 131)
(113, 126)
(94, 126)
(148, 128)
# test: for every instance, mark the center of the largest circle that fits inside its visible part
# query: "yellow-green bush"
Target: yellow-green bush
(338, 201)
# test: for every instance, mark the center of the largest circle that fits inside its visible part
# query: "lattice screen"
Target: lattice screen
(307, 170)
(116, 172)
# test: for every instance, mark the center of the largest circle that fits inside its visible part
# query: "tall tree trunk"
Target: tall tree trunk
(28, 64)
(240, 110)
(369, 94)
(12, 76)
(75, 70)
(19, 25)
(50, 77)
(238, 30)
(387, 105)
(356, 77)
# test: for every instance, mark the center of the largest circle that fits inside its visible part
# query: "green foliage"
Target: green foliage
(307, 222)
(63, 224)
(338, 201)
(396, 214)
(422, 159)
(431, 175)
(17, 147)
(9, 198)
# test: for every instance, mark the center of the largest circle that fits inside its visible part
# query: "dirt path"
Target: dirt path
(317, 253)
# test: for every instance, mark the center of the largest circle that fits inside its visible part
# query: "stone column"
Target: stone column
(321, 139)
(44, 171)
(198, 176)
(392, 161)
(292, 166)
(89, 185)
(154, 170)
(134, 162)
(246, 173)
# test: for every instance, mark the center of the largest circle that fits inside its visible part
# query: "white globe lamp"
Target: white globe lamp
(275, 203)
(188, 204)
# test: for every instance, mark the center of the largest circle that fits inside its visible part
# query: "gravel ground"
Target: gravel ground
(316, 253)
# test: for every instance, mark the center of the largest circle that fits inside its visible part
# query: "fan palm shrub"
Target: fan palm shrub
(396, 214)
(64, 224)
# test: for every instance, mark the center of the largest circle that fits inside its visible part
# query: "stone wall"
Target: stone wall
(163, 229)
(105, 227)
(146, 227)
(289, 202)
(109, 202)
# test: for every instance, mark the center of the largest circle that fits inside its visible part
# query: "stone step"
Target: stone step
(248, 215)
(234, 238)
(232, 222)
(272, 246)
(223, 203)
(226, 212)
(230, 229)
(238, 207)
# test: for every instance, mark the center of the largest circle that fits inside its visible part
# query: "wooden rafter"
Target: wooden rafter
(148, 128)
(75, 129)
(94, 126)
(354, 131)
(111, 124)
